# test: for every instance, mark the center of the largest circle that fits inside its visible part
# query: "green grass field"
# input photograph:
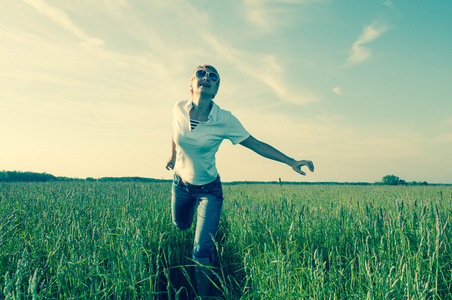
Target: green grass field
(92, 240)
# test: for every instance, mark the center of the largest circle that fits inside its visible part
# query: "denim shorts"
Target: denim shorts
(207, 200)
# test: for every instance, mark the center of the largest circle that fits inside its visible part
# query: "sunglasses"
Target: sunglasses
(211, 75)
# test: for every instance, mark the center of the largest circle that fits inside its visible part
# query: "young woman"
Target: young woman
(199, 127)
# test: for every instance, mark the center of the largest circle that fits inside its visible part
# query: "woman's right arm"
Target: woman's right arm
(172, 159)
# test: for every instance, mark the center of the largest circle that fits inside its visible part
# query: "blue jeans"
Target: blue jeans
(208, 199)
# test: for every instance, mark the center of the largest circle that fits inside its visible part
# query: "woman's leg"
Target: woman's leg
(208, 219)
(204, 277)
(183, 205)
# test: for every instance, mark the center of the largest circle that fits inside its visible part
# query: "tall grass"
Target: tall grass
(340, 242)
(116, 241)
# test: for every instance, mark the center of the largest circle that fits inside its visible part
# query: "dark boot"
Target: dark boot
(204, 278)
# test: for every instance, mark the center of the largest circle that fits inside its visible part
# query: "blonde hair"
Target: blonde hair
(205, 66)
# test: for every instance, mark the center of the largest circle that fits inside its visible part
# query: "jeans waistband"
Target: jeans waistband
(179, 179)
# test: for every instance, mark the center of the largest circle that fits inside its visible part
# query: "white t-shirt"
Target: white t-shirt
(195, 160)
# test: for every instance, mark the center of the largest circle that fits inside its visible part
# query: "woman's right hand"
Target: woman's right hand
(170, 163)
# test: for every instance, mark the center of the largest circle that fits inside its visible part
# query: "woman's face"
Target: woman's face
(205, 84)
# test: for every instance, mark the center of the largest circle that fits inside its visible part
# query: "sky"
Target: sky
(361, 88)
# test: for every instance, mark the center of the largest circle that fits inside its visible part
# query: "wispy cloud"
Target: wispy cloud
(61, 18)
(359, 53)
(388, 3)
(338, 90)
(445, 138)
(263, 68)
(270, 14)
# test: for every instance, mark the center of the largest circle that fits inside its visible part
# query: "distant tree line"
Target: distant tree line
(296, 183)
(394, 180)
(17, 176)
(125, 179)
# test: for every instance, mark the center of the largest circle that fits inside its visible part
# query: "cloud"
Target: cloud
(269, 14)
(61, 18)
(445, 138)
(338, 90)
(262, 68)
(388, 3)
(359, 53)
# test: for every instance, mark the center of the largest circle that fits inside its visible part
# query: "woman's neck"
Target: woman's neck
(201, 108)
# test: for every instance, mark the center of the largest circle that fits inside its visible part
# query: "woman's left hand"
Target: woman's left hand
(170, 163)
(297, 164)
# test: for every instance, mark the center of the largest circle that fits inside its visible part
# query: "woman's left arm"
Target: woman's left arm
(269, 152)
